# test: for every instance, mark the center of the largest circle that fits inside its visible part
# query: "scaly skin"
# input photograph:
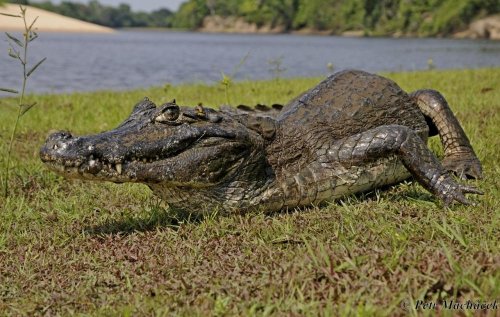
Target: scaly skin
(459, 157)
(352, 133)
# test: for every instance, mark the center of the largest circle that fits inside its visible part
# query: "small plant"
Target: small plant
(430, 64)
(167, 87)
(227, 80)
(330, 67)
(276, 66)
(18, 49)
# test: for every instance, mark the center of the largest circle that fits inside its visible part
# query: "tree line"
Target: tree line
(384, 17)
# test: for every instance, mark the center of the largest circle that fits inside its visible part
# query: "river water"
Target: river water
(131, 59)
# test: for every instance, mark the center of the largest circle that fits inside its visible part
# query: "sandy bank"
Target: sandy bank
(47, 21)
(486, 28)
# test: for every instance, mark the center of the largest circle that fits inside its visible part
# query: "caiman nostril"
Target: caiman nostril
(60, 135)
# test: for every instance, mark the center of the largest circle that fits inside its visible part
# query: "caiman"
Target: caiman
(352, 133)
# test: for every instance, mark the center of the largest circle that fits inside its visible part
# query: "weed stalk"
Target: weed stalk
(19, 50)
(227, 80)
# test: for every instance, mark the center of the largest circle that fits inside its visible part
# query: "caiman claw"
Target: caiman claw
(457, 192)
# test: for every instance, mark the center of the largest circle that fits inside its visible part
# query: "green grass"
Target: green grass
(104, 249)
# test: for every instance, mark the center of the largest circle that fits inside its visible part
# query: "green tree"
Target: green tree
(317, 14)
(191, 14)
(283, 12)
(23, 2)
(353, 15)
(161, 18)
(47, 5)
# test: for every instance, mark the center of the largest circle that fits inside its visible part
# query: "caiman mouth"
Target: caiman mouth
(72, 158)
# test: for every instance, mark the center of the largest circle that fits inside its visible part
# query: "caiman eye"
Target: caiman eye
(169, 113)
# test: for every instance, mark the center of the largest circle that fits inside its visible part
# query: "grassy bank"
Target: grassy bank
(106, 249)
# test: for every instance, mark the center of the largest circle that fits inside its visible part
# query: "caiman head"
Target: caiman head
(177, 151)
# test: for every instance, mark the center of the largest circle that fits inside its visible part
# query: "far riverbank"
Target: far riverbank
(484, 28)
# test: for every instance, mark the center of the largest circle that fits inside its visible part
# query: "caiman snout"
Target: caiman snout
(53, 143)
(59, 147)
(70, 155)
(57, 140)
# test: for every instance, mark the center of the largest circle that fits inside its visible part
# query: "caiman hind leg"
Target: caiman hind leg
(459, 157)
(384, 141)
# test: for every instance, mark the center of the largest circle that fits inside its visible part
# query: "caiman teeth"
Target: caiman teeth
(119, 168)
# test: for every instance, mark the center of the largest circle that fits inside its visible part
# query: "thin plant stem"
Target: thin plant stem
(20, 105)
(226, 88)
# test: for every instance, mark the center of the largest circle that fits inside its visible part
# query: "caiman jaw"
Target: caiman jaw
(56, 154)
(83, 157)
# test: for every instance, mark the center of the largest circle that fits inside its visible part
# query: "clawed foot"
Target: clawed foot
(454, 191)
(459, 195)
(465, 166)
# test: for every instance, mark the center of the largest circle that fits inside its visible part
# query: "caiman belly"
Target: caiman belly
(322, 182)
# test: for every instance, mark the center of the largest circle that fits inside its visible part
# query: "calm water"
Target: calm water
(83, 62)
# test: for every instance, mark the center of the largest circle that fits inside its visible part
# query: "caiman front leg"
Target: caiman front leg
(459, 157)
(403, 142)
